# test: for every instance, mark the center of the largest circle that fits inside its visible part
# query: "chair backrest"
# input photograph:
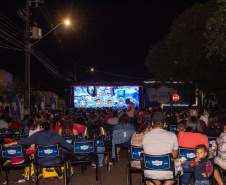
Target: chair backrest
(167, 126)
(212, 141)
(7, 131)
(69, 139)
(48, 151)
(80, 136)
(108, 136)
(173, 128)
(100, 141)
(2, 134)
(17, 151)
(84, 147)
(188, 153)
(15, 133)
(134, 153)
(157, 162)
(22, 136)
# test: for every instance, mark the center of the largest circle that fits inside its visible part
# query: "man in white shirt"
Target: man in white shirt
(159, 142)
(130, 110)
(3, 123)
(205, 115)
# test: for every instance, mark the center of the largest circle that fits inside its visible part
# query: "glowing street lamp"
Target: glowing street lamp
(67, 22)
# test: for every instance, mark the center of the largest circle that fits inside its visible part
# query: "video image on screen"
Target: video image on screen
(105, 96)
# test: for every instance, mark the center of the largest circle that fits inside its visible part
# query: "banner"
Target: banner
(52, 103)
(161, 95)
(42, 106)
(15, 107)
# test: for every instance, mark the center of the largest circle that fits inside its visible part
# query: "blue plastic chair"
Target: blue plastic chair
(48, 151)
(18, 151)
(157, 162)
(212, 141)
(134, 153)
(173, 128)
(84, 152)
(188, 153)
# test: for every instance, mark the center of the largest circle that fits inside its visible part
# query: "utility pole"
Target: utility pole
(27, 61)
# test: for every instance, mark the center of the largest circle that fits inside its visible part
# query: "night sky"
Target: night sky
(113, 37)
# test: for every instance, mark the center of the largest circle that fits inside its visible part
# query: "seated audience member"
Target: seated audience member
(205, 115)
(138, 138)
(94, 130)
(220, 159)
(35, 127)
(57, 123)
(124, 123)
(79, 124)
(3, 123)
(143, 115)
(27, 127)
(203, 167)
(213, 128)
(45, 137)
(194, 113)
(159, 142)
(190, 138)
(114, 120)
(180, 127)
(103, 123)
(16, 124)
(110, 115)
(67, 129)
(26, 118)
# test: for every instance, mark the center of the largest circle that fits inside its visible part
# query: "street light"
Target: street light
(67, 22)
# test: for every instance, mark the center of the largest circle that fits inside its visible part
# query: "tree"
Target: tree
(181, 55)
(216, 32)
(10, 90)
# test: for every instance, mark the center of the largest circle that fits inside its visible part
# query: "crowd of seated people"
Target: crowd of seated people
(193, 129)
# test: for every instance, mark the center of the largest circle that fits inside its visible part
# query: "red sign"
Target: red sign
(176, 97)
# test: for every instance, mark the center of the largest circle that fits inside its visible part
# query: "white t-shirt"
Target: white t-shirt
(113, 121)
(131, 112)
(205, 118)
(159, 142)
(3, 124)
(31, 132)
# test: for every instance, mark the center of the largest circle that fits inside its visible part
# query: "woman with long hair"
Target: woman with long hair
(138, 138)
(67, 130)
(213, 129)
(190, 138)
(94, 130)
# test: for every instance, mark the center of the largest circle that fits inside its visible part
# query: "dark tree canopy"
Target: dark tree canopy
(181, 55)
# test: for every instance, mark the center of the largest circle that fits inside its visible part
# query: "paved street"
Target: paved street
(116, 176)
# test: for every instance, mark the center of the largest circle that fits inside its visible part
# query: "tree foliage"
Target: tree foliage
(10, 90)
(181, 55)
(216, 32)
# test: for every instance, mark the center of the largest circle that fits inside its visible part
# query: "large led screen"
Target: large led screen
(105, 96)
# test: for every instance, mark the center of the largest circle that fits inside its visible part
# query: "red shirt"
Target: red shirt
(57, 128)
(16, 125)
(109, 116)
(191, 139)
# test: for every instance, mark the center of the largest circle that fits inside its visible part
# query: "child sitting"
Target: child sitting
(180, 127)
(203, 166)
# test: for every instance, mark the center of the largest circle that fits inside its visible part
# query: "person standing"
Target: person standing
(130, 110)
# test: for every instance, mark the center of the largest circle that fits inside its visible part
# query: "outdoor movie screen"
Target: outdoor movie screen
(105, 96)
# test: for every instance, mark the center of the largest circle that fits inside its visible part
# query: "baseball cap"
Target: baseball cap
(158, 118)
